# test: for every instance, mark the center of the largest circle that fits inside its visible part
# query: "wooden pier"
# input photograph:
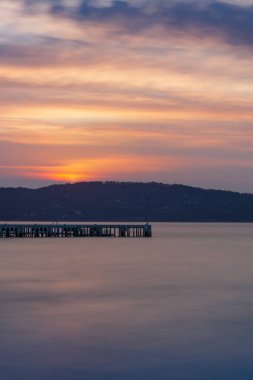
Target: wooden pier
(74, 230)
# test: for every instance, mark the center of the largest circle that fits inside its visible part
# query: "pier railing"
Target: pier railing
(74, 230)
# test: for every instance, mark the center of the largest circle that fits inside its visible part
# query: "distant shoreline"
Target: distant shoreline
(125, 202)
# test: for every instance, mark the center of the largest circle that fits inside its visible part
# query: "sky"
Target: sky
(133, 90)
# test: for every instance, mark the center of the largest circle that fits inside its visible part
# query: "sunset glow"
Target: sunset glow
(126, 90)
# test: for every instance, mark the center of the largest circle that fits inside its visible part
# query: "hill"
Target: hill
(124, 201)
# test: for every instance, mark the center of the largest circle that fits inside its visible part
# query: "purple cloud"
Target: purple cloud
(231, 22)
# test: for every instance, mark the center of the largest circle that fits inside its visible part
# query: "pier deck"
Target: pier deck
(74, 230)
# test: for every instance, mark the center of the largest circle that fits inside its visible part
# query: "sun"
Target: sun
(69, 173)
(70, 177)
(72, 172)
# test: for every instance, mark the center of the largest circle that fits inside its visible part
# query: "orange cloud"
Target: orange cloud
(79, 102)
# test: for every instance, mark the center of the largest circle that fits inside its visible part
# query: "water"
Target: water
(178, 306)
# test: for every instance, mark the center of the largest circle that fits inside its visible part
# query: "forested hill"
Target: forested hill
(124, 201)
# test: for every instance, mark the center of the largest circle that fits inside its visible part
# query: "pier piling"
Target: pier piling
(74, 230)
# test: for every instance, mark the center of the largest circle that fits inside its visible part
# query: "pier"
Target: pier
(74, 230)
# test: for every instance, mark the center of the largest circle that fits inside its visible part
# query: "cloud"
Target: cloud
(231, 22)
(131, 90)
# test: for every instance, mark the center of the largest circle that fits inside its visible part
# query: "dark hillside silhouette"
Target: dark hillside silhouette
(124, 201)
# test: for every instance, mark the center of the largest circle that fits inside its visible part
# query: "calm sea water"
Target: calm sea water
(178, 306)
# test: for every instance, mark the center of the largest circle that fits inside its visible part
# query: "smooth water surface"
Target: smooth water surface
(178, 306)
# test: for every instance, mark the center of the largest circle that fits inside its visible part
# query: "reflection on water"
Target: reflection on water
(178, 306)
